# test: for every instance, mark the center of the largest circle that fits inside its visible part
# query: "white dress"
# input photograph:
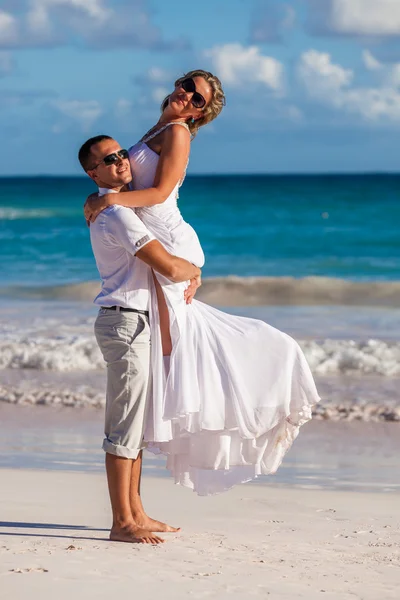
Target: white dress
(237, 390)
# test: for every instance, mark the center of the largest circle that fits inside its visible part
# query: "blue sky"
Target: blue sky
(311, 85)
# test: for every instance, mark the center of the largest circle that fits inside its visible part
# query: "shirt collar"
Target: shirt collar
(103, 191)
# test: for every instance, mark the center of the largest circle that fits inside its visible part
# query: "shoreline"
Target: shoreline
(335, 406)
(348, 456)
(250, 542)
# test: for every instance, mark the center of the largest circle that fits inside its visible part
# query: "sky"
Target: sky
(311, 85)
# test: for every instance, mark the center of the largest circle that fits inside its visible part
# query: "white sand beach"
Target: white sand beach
(255, 541)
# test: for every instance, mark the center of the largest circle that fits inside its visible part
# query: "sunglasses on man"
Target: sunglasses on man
(189, 86)
(112, 159)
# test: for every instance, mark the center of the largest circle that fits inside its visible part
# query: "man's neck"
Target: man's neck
(112, 190)
(108, 190)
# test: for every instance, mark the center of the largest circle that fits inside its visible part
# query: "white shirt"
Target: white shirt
(116, 235)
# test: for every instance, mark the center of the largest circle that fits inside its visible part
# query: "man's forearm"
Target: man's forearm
(182, 270)
(172, 267)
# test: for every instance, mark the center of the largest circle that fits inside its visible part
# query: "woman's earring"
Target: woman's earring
(192, 120)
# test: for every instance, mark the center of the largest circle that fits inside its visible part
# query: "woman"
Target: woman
(229, 393)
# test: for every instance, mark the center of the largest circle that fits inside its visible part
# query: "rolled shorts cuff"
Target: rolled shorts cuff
(122, 451)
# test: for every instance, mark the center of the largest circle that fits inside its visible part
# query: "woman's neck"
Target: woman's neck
(168, 118)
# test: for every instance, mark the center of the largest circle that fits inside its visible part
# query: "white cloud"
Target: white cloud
(93, 8)
(289, 18)
(319, 75)
(154, 85)
(157, 75)
(370, 62)
(293, 113)
(8, 28)
(84, 112)
(389, 73)
(38, 20)
(7, 63)
(159, 93)
(16, 98)
(100, 23)
(123, 108)
(57, 129)
(366, 17)
(76, 14)
(41, 19)
(374, 104)
(394, 75)
(332, 85)
(355, 17)
(237, 65)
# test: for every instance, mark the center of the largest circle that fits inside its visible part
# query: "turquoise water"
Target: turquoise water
(331, 226)
(334, 227)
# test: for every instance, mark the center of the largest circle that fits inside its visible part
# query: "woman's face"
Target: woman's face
(183, 102)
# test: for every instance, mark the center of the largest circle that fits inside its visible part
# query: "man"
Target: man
(124, 250)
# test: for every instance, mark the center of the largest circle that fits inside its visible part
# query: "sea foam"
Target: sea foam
(9, 213)
(344, 357)
(81, 353)
(62, 354)
(85, 397)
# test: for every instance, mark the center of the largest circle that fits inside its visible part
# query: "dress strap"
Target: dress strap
(155, 133)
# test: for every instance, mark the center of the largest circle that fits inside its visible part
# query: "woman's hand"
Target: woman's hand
(191, 290)
(94, 205)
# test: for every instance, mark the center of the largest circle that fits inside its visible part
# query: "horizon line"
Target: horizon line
(224, 174)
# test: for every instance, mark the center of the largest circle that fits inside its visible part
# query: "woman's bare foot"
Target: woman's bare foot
(153, 525)
(134, 534)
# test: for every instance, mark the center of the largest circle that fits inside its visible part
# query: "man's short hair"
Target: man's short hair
(85, 151)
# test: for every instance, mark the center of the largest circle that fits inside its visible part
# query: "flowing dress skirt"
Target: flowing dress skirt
(234, 397)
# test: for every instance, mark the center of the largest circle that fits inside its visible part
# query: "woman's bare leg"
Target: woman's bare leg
(136, 505)
(164, 319)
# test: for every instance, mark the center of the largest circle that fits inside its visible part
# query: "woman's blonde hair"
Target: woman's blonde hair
(213, 109)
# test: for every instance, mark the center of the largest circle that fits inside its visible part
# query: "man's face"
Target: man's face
(114, 175)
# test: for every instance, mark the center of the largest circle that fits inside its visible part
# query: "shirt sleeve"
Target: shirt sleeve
(126, 229)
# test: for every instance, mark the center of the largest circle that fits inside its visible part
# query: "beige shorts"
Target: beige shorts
(124, 340)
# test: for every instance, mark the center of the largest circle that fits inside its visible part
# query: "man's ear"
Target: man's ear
(92, 174)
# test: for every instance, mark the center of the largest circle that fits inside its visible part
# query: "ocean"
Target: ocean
(326, 226)
(316, 256)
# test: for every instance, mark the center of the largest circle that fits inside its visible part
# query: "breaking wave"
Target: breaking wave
(81, 353)
(250, 291)
(62, 355)
(8, 213)
(349, 357)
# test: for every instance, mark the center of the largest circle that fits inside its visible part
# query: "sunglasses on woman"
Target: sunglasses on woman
(112, 159)
(189, 86)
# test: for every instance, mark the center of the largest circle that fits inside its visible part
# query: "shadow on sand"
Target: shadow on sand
(55, 526)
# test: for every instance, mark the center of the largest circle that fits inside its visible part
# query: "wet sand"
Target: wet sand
(326, 455)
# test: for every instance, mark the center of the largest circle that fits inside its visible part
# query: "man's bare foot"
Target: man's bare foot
(153, 525)
(135, 535)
